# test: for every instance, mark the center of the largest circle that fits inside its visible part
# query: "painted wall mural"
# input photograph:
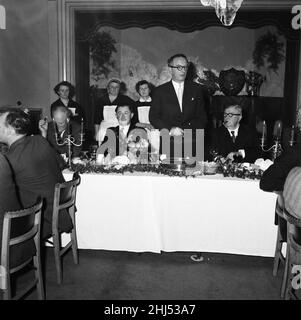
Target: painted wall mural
(134, 54)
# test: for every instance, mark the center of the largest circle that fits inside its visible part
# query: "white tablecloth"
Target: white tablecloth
(158, 213)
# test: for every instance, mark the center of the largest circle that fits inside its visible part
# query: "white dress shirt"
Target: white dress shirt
(124, 129)
(241, 151)
(179, 88)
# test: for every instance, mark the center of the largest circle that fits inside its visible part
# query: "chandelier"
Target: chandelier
(224, 9)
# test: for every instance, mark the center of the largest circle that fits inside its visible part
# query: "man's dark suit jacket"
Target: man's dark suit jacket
(165, 110)
(273, 178)
(9, 201)
(36, 171)
(116, 132)
(246, 139)
(8, 194)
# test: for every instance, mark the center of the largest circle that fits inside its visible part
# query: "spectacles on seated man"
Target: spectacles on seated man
(231, 114)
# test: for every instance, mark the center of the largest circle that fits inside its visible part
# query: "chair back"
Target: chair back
(279, 206)
(292, 192)
(294, 226)
(64, 197)
(19, 227)
(20, 243)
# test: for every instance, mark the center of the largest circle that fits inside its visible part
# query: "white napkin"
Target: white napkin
(143, 114)
(263, 164)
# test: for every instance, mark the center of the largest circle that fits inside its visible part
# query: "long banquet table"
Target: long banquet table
(154, 213)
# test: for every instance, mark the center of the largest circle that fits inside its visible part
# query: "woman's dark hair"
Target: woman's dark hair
(17, 118)
(66, 84)
(141, 83)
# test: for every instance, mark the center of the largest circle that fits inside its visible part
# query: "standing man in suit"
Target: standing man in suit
(178, 104)
(234, 140)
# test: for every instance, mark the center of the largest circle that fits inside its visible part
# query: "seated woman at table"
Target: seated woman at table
(104, 114)
(234, 140)
(65, 91)
(57, 131)
(142, 106)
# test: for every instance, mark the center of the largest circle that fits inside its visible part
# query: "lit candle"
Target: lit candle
(277, 129)
(264, 130)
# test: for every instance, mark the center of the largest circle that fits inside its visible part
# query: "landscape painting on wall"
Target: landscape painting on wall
(134, 54)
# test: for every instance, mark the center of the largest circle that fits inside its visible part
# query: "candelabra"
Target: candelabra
(276, 148)
(69, 140)
(292, 136)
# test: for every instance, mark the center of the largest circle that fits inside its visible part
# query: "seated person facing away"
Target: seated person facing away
(9, 201)
(34, 165)
(140, 118)
(112, 97)
(8, 193)
(60, 126)
(120, 133)
(233, 140)
(65, 92)
(274, 177)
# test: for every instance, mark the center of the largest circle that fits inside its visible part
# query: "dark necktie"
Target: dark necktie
(233, 136)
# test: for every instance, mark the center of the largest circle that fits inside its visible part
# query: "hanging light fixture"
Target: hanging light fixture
(224, 9)
(2, 18)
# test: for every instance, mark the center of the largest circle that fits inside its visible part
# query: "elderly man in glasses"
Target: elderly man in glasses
(233, 140)
(178, 104)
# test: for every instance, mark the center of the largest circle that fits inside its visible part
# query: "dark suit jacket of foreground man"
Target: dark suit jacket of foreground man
(9, 202)
(246, 139)
(165, 110)
(8, 193)
(36, 171)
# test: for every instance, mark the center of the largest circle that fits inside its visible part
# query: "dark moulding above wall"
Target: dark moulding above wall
(86, 23)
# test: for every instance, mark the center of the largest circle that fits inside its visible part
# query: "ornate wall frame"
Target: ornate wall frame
(63, 13)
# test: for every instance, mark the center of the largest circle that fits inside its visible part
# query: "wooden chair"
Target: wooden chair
(21, 246)
(280, 238)
(293, 253)
(64, 198)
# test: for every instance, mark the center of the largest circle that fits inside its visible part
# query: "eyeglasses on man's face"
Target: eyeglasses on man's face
(179, 67)
(230, 115)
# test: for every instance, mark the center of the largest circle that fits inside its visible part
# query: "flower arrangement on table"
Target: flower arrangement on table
(137, 143)
(242, 170)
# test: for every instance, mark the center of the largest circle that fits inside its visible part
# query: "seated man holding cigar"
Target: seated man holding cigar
(57, 130)
(235, 141)
(115, 142)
